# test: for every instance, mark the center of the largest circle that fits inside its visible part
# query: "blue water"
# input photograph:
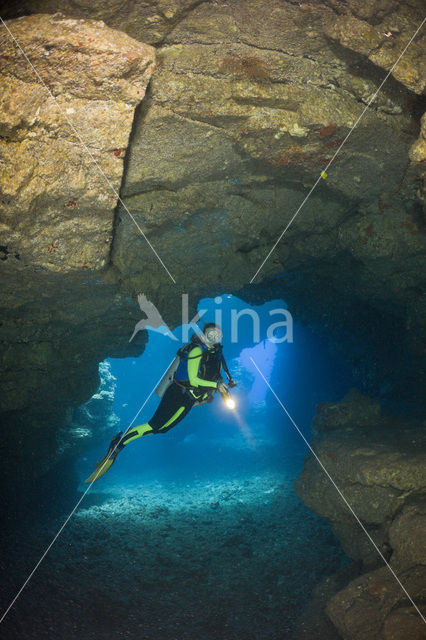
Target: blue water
(211, 440)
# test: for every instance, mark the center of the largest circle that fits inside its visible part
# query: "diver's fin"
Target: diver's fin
(105, 463)
(114, 448)
(102, 460)
(100, 471)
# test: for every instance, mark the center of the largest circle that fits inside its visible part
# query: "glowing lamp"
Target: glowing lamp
(230, 403)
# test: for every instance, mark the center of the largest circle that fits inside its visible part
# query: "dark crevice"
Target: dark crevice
(139, 115)
(269, 103)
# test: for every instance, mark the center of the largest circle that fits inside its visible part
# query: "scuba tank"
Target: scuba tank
(169, 376)
(167, 379)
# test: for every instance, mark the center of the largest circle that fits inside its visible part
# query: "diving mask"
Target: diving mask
(213, 335)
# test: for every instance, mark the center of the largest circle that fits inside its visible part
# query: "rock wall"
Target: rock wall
(379, 465)
(93, 422)
(248, 103)
(57, 220)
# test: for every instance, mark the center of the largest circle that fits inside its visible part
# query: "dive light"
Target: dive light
(227, 398)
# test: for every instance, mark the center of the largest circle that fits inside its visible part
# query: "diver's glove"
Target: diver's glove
(231, 383)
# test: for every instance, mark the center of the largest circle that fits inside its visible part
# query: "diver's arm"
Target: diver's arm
(194, 359)
(231, 382)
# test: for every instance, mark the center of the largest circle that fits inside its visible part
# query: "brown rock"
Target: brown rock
(58, 206)
(417, 154)
(376, 469)
(403, 624)
(381, 31)
(374, 606)
(381, 472)
(418, 150)
(56, 224)
(355, 410)
(146, 21)
(407, 535)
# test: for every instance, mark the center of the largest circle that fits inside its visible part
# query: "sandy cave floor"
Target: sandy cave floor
(231, 558)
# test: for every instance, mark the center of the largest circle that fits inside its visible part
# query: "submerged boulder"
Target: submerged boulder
(375, 606)
(376, 463)
(407, 534)
(69, 91)
(418, 150)
(379, 466)
(355, 409)
(418, 155)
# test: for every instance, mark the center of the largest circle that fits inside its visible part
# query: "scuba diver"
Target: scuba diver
(191, 380)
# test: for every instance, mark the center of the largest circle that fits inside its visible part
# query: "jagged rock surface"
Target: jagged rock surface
(57, 219)
(376, 30)
(242, 113)
(58, 206)
(418, 150)
(374, 607)
(259, 120)
(146, 21)
(376, 462)
(379, 30)
(93, 422)
(379, 465)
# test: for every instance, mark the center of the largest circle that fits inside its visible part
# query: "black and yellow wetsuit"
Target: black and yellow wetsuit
(196, 378)
(202, 367)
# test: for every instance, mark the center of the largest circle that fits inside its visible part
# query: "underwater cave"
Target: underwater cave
(234, 189)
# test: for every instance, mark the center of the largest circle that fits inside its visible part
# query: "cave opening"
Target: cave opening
(212, 440)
